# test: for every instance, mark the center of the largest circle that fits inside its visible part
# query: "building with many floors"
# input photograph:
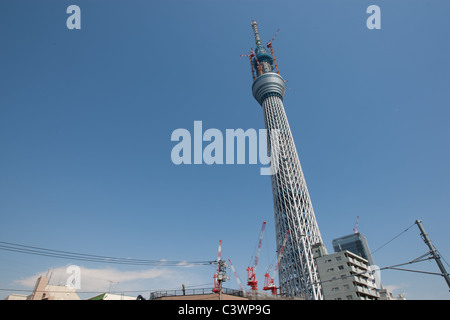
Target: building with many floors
(346, 276)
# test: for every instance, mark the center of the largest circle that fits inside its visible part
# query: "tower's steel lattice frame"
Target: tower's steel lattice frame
(298, 274)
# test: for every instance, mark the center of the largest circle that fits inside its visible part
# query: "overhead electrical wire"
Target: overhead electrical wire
(393, 239)
(14, 247)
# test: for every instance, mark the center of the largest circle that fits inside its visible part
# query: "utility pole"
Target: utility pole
(433, 252)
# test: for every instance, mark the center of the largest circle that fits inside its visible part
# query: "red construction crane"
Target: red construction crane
(251, 271)
(269, 45)
(250, 56)
(269, 283)
(257, 62)
(216, 282)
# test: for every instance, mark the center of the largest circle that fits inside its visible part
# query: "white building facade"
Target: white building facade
(346, 276)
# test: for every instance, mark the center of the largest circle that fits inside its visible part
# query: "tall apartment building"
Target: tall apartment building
(346, 276)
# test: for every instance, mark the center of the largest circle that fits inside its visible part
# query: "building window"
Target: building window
(349, 297)
(341, 267)
(338, 258)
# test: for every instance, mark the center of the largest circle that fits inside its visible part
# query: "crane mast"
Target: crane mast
(217, 282)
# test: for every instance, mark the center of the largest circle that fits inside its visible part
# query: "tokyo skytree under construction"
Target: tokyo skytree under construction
(297, 271)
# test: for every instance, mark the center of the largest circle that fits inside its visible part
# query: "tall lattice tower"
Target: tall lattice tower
(298, 275)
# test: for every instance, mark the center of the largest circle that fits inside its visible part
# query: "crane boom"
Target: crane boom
(251, 271)
(237, 277)
(269, 283)
(280, 255)
(220, 251)
(269, 45)
(259, 245)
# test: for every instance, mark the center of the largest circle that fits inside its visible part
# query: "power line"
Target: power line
(14, 247)
(442, 258)
(394, 267)
(393, 239)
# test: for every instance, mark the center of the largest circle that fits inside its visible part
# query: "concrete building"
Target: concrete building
(346, 276)
(44, 291)
(385, 294)
(17, 297)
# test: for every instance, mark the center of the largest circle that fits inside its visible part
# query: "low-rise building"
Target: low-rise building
(44, 291)
(17, 297)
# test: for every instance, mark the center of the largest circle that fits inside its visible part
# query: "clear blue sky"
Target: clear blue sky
(86, 118)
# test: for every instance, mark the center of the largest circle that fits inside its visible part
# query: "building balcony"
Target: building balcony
(358, 263)
(366, 291)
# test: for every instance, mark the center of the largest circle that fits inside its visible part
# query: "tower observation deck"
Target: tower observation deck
(297, 273)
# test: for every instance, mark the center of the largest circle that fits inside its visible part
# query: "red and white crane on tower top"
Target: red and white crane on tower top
(269, 45)
(251, 271)
(269, 283)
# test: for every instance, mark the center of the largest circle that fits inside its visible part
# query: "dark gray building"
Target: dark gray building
(355, 243)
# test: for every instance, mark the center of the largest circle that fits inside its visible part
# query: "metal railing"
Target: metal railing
(190, 292)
